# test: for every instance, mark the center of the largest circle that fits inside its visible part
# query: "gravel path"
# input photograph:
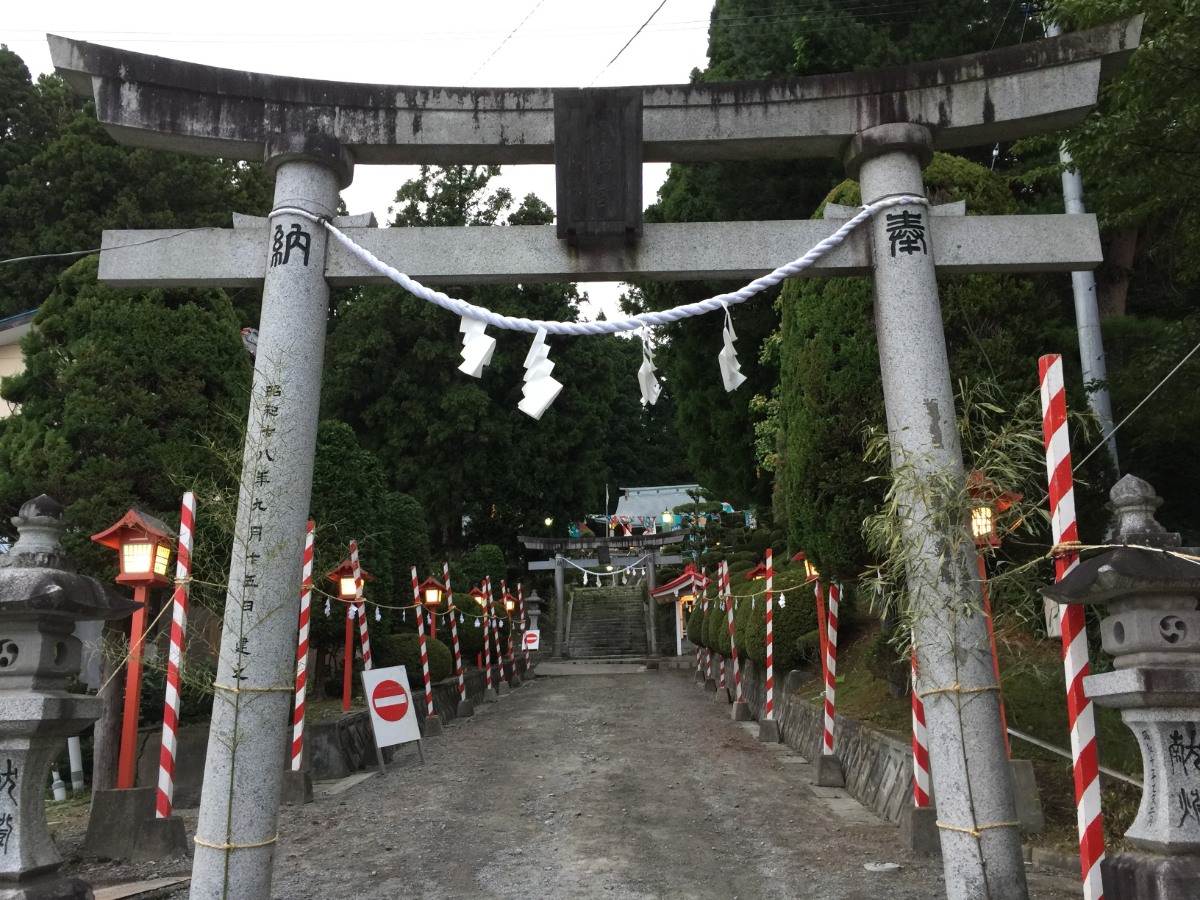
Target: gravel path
(626, 785)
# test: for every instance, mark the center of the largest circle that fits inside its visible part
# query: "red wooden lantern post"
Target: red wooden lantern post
(144, 545)
(430, 591)
(343, 577)
(986, 501)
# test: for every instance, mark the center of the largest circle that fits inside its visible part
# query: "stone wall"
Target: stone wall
(334, 747)
(878, 767)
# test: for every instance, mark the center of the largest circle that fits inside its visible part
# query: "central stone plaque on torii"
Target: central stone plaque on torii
(885, 125)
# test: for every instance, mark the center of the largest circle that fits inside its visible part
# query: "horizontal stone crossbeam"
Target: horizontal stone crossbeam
(999, 95)
(237, 257)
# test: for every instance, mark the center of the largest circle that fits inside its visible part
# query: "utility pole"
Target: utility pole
(1087, 311)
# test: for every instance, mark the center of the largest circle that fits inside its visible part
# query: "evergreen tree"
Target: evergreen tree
(458, 444)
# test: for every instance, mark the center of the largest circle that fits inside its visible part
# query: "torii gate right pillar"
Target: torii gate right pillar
(981, 845)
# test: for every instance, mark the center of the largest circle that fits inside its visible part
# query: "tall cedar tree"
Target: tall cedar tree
(459, 444)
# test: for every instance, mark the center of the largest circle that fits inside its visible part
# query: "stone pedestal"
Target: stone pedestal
(740, 711)
(829, 771)
(722, 695)
(1145, 876)
(1025, 795)
(123, 825)
(710, 685)
(919, 831)
(465, 708)
(698, 677)
(297, 788)
(431, 727)
(768, 731)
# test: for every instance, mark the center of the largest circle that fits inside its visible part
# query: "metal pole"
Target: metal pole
(1087, 311)
(559, 606)
(239, 808)
(981, 842)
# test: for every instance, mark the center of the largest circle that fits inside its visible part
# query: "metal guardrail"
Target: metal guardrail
(1104, 770)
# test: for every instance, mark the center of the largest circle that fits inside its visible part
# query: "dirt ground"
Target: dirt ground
(627, 785)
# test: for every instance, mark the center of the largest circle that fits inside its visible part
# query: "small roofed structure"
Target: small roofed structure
(680, 591)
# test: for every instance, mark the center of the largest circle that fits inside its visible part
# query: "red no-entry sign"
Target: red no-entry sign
(390, 700)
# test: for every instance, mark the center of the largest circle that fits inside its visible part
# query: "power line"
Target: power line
(628, 42)
(165, 237)
(1104, 443)
(536, 6)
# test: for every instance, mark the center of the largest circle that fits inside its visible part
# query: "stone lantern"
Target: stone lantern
(1152, 631)
(41, 599)
(533, 609)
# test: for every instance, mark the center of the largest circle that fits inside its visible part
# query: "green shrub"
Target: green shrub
(741, 618)
(719, 630)
(695, 625)
(470, 635)
(405, 650)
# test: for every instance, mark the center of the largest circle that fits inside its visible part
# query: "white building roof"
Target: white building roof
(651, 501)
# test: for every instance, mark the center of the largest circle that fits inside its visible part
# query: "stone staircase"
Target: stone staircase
(607, 623)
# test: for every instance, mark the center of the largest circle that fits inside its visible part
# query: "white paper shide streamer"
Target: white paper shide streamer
(540, 389)
(731, 370)
(646, 380)
(477, 346)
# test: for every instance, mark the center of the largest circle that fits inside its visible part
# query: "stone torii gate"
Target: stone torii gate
(646, 545)
(884, 124)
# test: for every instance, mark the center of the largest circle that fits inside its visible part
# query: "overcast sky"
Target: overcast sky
(482, 43)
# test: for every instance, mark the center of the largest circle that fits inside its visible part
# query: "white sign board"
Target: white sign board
(533, 639)
(389, 700)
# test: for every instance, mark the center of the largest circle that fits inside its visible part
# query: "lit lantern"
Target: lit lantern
(143, 544)
(810, 571)
(986, 501)
(549, 521)
(480, 596)
(510, 602)
(668, 519)
(343, 577)
(432, 590)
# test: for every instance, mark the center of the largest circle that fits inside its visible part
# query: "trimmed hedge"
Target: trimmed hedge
(695, 625)
(405, 650)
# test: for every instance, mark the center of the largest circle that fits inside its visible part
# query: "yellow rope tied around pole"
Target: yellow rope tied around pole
(228, 846)
(957, 688)
(251, 690)
(978, 830)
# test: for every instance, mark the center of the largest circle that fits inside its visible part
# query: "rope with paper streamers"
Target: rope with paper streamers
(540, 389)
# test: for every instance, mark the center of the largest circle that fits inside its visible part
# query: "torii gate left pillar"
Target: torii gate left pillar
(239, 807)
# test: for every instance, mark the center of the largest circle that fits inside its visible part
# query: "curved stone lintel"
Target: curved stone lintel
(997, 95)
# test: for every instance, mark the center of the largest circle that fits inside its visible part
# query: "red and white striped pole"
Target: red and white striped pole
(302, 651)
(424, 651)
(487, 640)
(835, 595)
(723, 577)
(1074, 635)
(170, 734)
(920, 742)
(708, 671)
(458, 666)
(770, 711)
(521, 613)
(360, 607)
